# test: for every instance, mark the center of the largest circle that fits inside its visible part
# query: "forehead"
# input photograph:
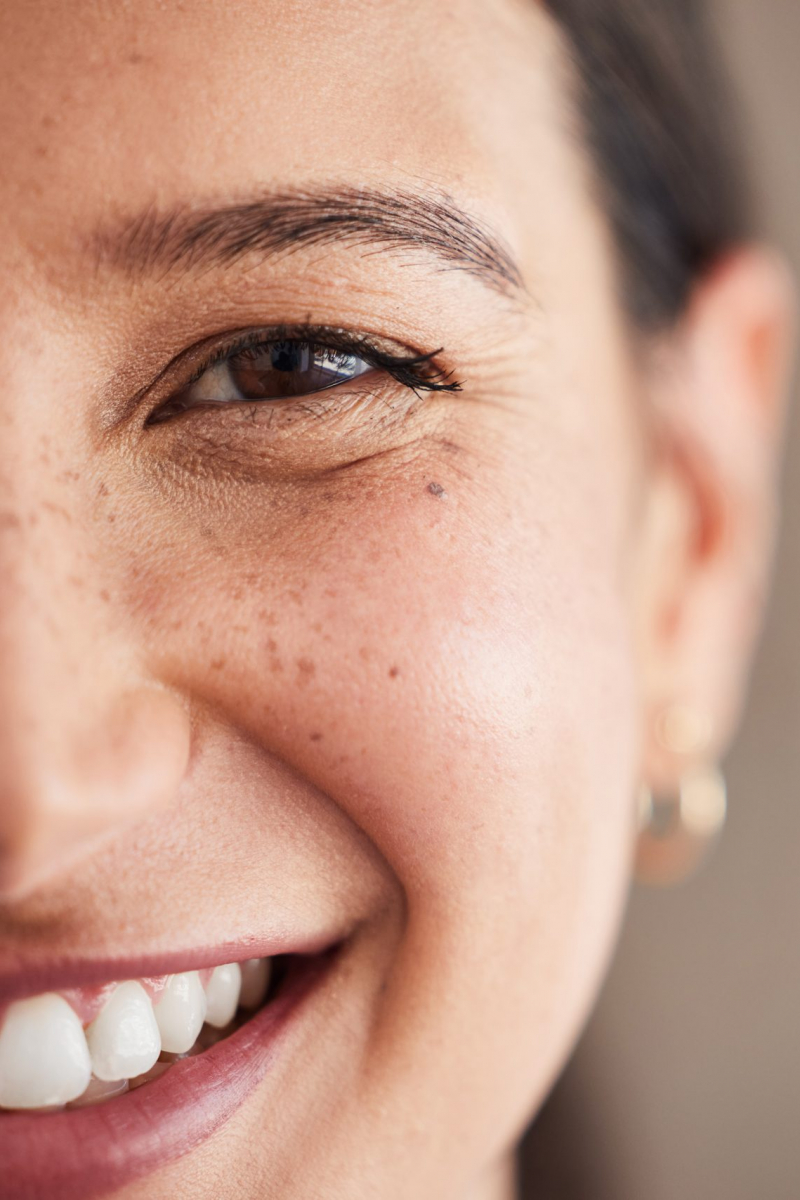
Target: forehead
(123, 105)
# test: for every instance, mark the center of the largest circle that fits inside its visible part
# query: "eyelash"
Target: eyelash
(419, 372)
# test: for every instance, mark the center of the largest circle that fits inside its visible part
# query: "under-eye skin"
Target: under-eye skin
(286, 364)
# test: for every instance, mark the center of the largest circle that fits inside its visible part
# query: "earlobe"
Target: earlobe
(678, 829)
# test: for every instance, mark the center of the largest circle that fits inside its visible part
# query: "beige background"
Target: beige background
(686, 1085)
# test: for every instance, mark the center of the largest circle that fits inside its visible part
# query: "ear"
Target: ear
(709, 514)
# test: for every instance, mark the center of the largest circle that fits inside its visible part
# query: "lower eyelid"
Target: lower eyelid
(276, 414)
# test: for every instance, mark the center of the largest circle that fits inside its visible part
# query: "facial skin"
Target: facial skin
(259, 671)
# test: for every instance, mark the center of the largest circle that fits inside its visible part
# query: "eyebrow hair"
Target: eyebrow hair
(188, 239)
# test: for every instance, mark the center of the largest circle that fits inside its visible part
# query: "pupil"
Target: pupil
(285, 357)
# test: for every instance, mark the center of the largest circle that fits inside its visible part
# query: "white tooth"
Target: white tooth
(124, 1040)
(222, 993)
(180, 1012)
(44, 1058)
(255, 981)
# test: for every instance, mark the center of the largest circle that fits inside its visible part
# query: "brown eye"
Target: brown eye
(273, 370)
(290, 368)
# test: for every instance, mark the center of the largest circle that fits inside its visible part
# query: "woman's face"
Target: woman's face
(358, 667)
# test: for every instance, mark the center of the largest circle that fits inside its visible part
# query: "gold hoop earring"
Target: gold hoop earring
(678, 830)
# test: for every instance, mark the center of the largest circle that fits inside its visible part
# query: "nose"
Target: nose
(88, 742)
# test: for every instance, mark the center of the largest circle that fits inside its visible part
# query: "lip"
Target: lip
(57, 974)
(90, 1152)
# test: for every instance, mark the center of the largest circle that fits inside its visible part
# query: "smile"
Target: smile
(118, 1078)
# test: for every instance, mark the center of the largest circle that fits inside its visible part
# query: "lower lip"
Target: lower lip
(93, 1151)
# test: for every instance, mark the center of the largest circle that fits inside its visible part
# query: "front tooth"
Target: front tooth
(255, 981)
(44, 1058)
(180, 1012)
(124, 1040)
(222, 994)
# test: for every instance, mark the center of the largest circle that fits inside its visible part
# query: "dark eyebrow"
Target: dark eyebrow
(188, 239)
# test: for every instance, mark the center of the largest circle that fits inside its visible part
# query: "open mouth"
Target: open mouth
(86, 1045)
(101, 1085)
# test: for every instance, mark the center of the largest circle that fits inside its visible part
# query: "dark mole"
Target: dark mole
(394, 672)
(315, 737)
(436, 489)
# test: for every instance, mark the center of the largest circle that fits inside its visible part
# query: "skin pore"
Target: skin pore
(382, 662)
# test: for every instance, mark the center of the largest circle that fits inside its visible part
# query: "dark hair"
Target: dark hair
(656, 117)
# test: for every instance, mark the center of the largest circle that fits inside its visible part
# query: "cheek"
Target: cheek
(449, 666)
(445, 659)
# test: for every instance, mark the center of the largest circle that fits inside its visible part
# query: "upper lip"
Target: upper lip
(24, 979)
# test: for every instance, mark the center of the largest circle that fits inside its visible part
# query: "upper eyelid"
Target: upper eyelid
(339, 339)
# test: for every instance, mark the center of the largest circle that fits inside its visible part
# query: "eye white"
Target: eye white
(215, 385)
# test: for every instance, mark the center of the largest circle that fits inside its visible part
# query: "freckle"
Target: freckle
(394, 672)
(437, 490)
(218, 664)
(102, 489)
(315, 737)
(111, 518)
(58, 509)
(9, 521)
(206, 533)
(305, 670)
(272, 645)
(104, 595)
